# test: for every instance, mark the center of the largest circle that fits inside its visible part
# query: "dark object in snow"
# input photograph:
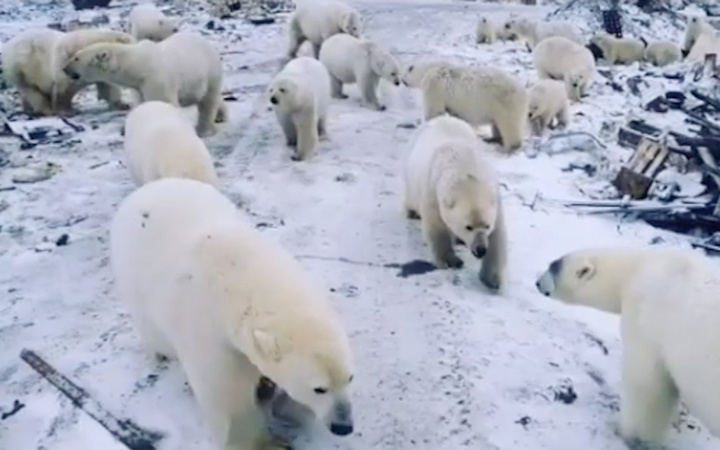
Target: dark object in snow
(635, 178)
(89, 4)
(675, 99)
(659, 105)
(41, 130)
(612, 22)
(595, 50)
(63, 240)
(565, 394)
(211, 25)
(125, 431)
(16, 407)
(416, 267)
(634, 84)
(524, 421)
(261, 20)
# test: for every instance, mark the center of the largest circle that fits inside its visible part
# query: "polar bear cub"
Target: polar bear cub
(33, 61)
(669, 303)
(619, 50)
(480, 96)
(300, 96)
(160, 142)
(559, 58)
(452, 189)
(317, 20)
(183, 70)
(548, 101)
(485, 32)
(662, 53)
(203, 285)
(148, 22)
(534, 32)
(352, 60)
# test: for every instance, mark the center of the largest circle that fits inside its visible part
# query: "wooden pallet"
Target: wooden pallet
(636, 177)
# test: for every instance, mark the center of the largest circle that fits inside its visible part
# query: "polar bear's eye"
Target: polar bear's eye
(282, 90)
(469, 227)
(320, 390)
(351, 378)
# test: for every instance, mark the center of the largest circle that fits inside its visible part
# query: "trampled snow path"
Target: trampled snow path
(440, 363)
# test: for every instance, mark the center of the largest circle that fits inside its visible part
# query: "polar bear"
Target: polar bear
(414, 73)
(534, 32)
(696, 27)
(317, 20)
(300, 96)
(479, 95)
(669, 303)
(548, 101)
(33, 61)
(183, 70)
(352, 60)
(662, 53)
(619, 50)
(485, 32)
(451, 188)
(204, 286)
(160, 142)
(706, 43)
(148, 22)
(562, 59)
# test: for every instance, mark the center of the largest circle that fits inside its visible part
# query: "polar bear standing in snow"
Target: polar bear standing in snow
(148, 22)
(548, 101)
(300, 96)
(669, 303)
(452, 189)
(662, 53)
(352, 60)
(480, 96)
(619, 50)
(559, 58)
(160, 142)
(696, 27)
(33, 61)
(204, 286)
(534, 32)
(183, 70)
(485, 32)
(317, 20)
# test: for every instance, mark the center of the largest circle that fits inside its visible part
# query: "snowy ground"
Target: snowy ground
(441, 363)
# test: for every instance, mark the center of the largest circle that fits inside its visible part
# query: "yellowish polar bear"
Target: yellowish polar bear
(534, 32)
(148, 22)
(696, 27)
(33, 62)
(352, 60)
(300, 96)
(485, 32)
(183, 70)
(548, 101)
(317, 20)
(662, 53)
(701, 39)
(479, 95)
(160, 142)
(619, 50)
(559, 58)
(452, 189)
(669, 302)
(204, 286)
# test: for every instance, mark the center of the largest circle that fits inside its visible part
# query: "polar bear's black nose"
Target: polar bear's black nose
(341, 429)
(479, 252)
(274, 100)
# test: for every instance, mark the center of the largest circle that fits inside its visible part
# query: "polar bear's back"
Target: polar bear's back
(559, 56)
(27, 57)
(563, 29)
(339, 53)
(312, 75)
(192, 59)
(319, 18)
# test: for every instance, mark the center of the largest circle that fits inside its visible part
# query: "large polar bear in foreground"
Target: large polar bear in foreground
(160, 142)
(183, 70)
(33, 63)
(559, 58)
(317, 20)
(452, 189)
(669, 302)
(203, 285)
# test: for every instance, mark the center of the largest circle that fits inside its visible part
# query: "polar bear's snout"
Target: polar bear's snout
(340, 419)
(479, 245)
(71, 73)
(274, 100)
(545, 284)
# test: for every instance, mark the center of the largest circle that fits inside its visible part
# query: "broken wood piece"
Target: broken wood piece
(636, 177)
(125, 431)
(709, 64)
(704, 98)
(706, 246)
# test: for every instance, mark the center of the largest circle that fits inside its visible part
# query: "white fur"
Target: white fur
(535, 32)
(619, 50)
(203, 285)
(160, 142)
(669, 302)
(548, 101)
(485, 32)
(148, 22)
(705, 43)
(301, 91)
(696, 27)
(662, 53)
(562, 59)
(352, 60)
(317, 20)
(452, 187)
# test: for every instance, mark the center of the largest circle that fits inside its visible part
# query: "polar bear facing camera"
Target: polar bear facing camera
(300, 96)
(148, 22)
(669, 306)
(696, 27)
(485, 32)
(619, 50)
(452, 189)
(203, 285)
(352, 60)
(317, 20)
(160, 142)
(548, 101)
(559, 58)
(480, 96)
(183, 70)
(662, 53)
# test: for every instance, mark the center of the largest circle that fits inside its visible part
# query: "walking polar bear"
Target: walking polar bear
(619, 50)
(148, 22)
(534, 32)
(204, 286)
(316, 20)
(183, 70)
(452, 189)
(548, 101)
(559, 58)
(160, 142)
(696, 27)
(352, 60)
(669, 303)
(662, 53)
(33, 62)
(300, 96)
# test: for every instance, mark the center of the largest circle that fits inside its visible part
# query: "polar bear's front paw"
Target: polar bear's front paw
(490, 279)
(451, 261)
(380, 107)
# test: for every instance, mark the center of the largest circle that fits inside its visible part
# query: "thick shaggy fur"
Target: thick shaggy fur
(559, 58)
(548, 101)
(619, 50)
(452, 189)
(534, 32)
(696, 27)
(352, 60)
(148, 22)
(669, 302)
(317, 20)
(662, 53)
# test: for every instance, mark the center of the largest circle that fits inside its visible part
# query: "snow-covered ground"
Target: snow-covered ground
(441, 364)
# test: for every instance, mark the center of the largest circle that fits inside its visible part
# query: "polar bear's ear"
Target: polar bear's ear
(102, 57)
(266, 345)
(585, 271)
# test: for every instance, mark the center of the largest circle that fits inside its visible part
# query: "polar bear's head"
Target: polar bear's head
(469, 207)
(93, 63)
(575, 84)
(351, 24)
(383, 63)
(165, 28)
(415, 73)
(284, 94)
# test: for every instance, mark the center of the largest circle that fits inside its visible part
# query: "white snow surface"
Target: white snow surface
(441, 363)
